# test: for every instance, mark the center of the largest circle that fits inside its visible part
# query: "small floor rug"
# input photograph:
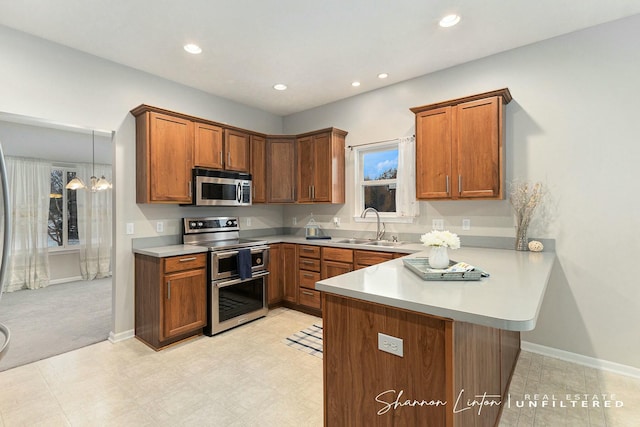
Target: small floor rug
(308, 340)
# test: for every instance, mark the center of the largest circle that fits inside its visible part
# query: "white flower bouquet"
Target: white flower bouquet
(441, 238)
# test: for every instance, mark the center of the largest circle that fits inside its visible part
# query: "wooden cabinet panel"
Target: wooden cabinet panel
(275, 284)
(433, 154)
(186, 262)
(281, 170)
(308, 279)
(164, 158)
(237, 147)
(259, 168)
(290, 272)
(334, 268)
(477, 148)
(185, 302)
(459, 147)
(308, 263)
(364, 259)
(321, 166)
(208, 146)
(309, 298)
(309, 251)
(337, 254)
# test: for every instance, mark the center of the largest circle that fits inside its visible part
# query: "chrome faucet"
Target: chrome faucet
(379, 230)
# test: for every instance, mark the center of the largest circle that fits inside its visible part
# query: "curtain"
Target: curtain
(407, 205)
(30, 185)
(94, 224)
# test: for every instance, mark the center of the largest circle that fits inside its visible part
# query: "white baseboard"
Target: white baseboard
(65, 280)
(121, 336)
(592, 362)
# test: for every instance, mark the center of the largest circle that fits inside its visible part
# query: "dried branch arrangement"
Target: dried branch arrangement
(524, 198)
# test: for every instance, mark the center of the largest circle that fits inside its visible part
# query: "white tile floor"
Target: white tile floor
(248, 377)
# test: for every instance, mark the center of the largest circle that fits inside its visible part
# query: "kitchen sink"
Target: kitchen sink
(386, 243)
(355, 241)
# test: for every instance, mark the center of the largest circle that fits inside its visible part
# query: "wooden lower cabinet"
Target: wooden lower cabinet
(445, 364)
(170, 298)
(308, 275)
(289, 272)
(362, 259)
(275, 284)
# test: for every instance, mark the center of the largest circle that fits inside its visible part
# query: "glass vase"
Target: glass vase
(439, 257)
(522, 241)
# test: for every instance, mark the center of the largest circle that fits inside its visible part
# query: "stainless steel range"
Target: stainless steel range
(237, 292)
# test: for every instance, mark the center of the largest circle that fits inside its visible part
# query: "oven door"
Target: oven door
(234, 302)
(224, 264)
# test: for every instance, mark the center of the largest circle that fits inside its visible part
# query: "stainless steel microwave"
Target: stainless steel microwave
(221, 188)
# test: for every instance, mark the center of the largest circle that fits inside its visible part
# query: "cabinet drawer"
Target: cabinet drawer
(308, 251)
(337, 254)
(308, 279)
(309, 298)
(367, 258)
(185, 262)
(309, 264)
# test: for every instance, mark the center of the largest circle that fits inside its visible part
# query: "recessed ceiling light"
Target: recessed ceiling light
(449, 20)
(383, 75)
(355, 84)
(192, 48)
(280, 86)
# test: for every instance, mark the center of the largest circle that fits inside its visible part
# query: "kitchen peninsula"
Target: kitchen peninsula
(460, 340)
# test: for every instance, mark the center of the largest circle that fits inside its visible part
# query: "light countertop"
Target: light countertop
(509, 299)
(171, 250)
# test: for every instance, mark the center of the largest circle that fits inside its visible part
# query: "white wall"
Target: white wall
(45, 80)
(573, 124)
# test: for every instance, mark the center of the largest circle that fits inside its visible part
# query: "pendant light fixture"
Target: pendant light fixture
(95, 183)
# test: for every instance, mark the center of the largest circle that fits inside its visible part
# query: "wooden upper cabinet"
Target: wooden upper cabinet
(237, 147)
(321, 166)
(208, 146)
(460, 147)
(164, 158)
(281, 170)
(259, 168)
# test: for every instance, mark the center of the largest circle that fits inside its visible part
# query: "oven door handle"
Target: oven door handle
(236, 281)
(229, 254)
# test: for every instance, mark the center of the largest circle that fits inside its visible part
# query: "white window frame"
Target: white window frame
(401, 182)
(66, 247)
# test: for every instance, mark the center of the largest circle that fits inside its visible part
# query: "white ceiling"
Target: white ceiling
(316, 47)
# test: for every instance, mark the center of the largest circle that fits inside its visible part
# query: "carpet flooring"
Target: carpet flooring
(54, 320)
(308, 340)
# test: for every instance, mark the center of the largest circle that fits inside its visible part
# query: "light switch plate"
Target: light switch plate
(130, 228)
(160, 227)
(437, 224)
(390, 344)
(466, 224)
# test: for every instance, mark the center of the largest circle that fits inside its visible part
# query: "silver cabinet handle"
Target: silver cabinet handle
(188, 259)
(447, 184)
(221, 160)
(313, 192)
(189, 188)
(169, 289)
(459, 184)
(309, 192)
(310, 276)
(307, 293)
(229, 158)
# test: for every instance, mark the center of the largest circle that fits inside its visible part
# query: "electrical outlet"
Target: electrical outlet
(466, 224)
(130, 229)
(390, 344)
(160, 227)
(437, 224)
(295, 220)
(336, 221)
(248, 221)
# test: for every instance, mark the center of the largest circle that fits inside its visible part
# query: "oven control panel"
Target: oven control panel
(210, 224)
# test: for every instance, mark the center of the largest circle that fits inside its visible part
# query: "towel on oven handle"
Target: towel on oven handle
(244, 263)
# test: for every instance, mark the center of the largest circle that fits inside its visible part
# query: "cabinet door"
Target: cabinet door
(322, 169)
(306, 166)
(237, 148)
(184, 302)
(170, 158)
(333, 268)
(275, 288)
(208, 146)
(364, 259)
(290, 272)
(477, 148)
(259, 168)
(433, 154)
(281, 170)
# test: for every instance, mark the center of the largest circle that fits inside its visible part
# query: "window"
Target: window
(385, 179)
(63, 211)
